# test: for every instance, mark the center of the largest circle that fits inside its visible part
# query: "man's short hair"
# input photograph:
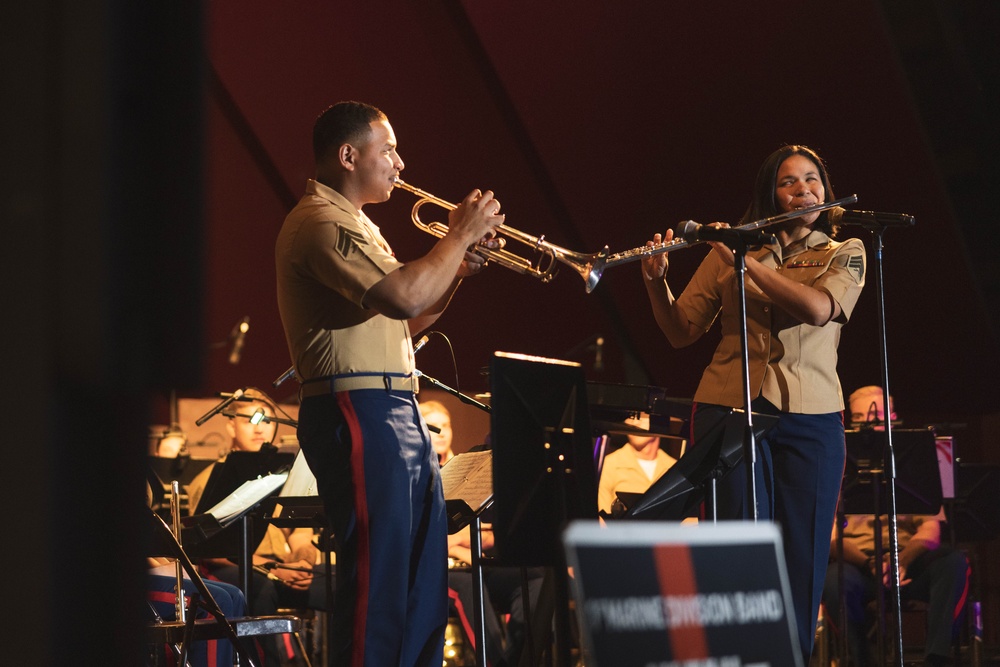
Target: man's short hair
(343, 123)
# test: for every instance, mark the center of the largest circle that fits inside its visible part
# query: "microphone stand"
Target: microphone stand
(226, 402)
(878, 230)
(454, 392)
(739, 247)
(476, 544)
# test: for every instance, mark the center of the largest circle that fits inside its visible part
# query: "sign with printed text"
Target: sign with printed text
(653, 594)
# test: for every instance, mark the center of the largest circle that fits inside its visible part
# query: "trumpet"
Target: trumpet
(548, 255)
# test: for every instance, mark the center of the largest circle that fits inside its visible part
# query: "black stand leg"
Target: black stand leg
(739, 248)
(479, 611)
(562, 639)
(890, 461)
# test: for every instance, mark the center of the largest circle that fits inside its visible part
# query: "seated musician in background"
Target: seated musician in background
(437, 415)
(634, 467)
(928, 571)
(279, 588)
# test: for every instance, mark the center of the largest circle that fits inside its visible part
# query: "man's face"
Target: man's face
(249, 437)
(377, 163)
(638, 440)
(440, 441)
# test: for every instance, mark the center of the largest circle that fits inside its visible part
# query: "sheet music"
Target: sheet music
(301, 481)
(246, 496)
(469, 477)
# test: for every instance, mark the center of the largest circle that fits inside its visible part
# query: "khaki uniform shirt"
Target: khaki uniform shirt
(860, 529)
(793, 365)
(328, 254)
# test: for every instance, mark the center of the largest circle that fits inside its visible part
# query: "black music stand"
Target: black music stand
(238, 467)
(205, 537)
(467, 482)
(918, 476)
(543, 468)
(161, 471)
(677, 494)
(181, 468)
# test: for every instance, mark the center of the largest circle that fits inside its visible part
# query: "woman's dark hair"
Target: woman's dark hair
(343, 123)
(764, 205)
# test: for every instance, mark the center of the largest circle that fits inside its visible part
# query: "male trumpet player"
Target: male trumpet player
(349, 308)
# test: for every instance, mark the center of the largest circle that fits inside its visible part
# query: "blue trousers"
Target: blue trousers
(380, 482)
(799, 467)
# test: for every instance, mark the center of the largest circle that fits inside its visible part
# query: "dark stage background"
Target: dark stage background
(155, 151)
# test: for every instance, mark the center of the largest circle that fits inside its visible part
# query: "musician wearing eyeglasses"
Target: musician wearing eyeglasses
(349, 307)
(800, 292)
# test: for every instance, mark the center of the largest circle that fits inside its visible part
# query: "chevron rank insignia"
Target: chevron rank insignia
(856, 265)
(349, 243)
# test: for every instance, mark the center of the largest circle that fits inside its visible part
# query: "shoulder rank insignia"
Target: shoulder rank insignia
(856, 265)
(349, 242)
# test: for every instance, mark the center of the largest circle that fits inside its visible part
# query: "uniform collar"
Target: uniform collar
(814, 239)
(316, 188)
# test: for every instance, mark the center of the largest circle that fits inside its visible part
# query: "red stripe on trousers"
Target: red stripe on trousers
(361, 519)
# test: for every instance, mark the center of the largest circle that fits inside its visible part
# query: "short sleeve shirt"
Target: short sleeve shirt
(328, 255)
(793, 365)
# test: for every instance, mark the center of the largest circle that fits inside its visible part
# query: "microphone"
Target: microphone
(869, 219)
(287, 375)
(420, 344)
(235, 396)
(692, 232)
(238, 335)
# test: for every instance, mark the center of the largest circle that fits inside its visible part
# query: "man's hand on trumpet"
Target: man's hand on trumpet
(476, 218)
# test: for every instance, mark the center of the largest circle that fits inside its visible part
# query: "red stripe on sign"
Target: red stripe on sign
(362, 527)
(675, 573)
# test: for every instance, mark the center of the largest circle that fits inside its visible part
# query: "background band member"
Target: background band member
(800, 292)
(928, 571)
(349, 307)
(437, 415)
(280, 588)
(633, 467)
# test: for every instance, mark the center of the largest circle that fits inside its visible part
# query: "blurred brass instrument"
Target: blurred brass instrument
(543, 266)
